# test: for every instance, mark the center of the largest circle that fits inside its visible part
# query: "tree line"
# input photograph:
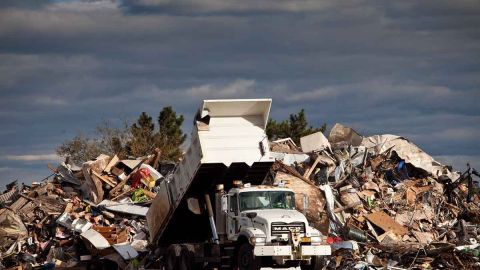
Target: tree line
(138, 139)
(144, 136)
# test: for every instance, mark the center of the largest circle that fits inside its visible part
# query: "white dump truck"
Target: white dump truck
(214, 213)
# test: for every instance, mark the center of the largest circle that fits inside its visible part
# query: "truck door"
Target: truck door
(232, 217)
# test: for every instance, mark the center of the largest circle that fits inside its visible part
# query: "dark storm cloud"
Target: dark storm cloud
(409, 68)
(27, 4)
(223, 7)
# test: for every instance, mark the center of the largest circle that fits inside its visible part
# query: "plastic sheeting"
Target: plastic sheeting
(66, 174)
(290, 159)
(409, 152)
(336, 224)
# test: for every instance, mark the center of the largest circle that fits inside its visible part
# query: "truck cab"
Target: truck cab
(263, 221)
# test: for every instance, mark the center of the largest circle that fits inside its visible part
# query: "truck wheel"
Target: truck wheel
(317, 263)
(246, 260)
(186, 259)
(172, 258)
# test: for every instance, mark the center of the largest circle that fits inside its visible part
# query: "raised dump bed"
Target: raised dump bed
(228, 142)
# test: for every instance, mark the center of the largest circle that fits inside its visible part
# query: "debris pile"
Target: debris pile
(383, 202)
(380, 201)
(81, 216)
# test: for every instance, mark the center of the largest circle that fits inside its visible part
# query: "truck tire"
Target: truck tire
(186, 259)
(317, 263)
(173, 256)
(245, 258)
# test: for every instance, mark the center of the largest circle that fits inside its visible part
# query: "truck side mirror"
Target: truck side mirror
(224, 203)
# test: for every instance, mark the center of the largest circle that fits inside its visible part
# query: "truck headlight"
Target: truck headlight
(259, 241)
(316, 240)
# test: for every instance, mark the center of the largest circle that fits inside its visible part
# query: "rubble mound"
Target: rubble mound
(380, 201)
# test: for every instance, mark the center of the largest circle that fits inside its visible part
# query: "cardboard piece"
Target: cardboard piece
(386, 223)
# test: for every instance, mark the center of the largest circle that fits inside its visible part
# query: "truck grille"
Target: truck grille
(283, 227)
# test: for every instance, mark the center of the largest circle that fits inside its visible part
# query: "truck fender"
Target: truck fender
(248, 232)
(311, 231)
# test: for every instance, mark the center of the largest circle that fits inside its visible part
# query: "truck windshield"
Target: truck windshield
(267, 200)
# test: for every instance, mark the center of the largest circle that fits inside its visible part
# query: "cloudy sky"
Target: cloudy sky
(410, 68)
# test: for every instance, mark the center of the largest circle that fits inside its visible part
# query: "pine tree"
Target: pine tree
(143, 136)
(170, 136)
(277, 130)
(295, 127)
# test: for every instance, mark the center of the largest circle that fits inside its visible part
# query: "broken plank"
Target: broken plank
(121, 184)
(104, 179)
(310, 170)
(112, 163)
(149, 194)
(158, 154)
(18, 204)
(123, 194)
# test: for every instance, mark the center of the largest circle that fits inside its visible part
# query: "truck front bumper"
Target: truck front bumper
(320, 250)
